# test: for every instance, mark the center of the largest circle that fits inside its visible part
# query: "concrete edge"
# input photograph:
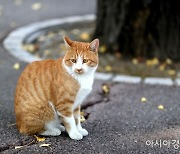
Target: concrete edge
(13, 44)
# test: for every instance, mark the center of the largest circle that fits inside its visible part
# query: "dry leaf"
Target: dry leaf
(168, 61)
(75, 31)
(171, 72)
(18, 147)
(82, 119)
(16, 66)
(160, 107)
(108, 68)
(41, 38)
(47, 52)
(36, 6)
(162, 67)
(85, 36)
(50, 35)
(134, 61)
(102, 49)
(143, 99)
(29, 47)
(152, 62)
(105, 89)
(45, 145)
(40, 139)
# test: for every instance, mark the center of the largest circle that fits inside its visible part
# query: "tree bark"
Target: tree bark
(141, 28)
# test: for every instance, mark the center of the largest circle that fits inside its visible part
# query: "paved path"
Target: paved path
(118, 123)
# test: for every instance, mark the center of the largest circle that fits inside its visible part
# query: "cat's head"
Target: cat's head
(81, 57)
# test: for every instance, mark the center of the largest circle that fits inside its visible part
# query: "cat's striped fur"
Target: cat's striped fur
(48, 90)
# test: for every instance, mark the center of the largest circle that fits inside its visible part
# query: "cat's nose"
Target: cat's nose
(79, 70)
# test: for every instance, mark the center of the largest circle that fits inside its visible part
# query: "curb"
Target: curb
(13, 44)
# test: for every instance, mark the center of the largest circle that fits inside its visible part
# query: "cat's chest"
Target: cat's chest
(85, 88)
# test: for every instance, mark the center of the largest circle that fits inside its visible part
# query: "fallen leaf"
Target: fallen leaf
(50, 35)
(82, 119)
(85, 36)
(36, 6)
(134, 61)
(47, 52)
(18, 147)
(152, 62)
(41, 38)
(45, 145)
(160, 107)
(40, 139)
(143, 99)
(16, 66)
(168, 61)
(171, 72)
(102, 49)
(162, 67)
(75, 31)
(105, 89)
(29, 47)
(108, 68)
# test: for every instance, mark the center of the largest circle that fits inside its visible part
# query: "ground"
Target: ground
(118, 123)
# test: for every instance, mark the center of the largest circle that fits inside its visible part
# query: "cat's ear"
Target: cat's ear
(67, 42)
(94, 45)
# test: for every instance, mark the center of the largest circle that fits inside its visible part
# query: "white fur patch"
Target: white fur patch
(53, 127)
(85, 80)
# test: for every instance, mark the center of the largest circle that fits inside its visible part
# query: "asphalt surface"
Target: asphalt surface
(118, 123)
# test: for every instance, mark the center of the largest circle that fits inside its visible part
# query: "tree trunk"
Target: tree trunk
(140, 28)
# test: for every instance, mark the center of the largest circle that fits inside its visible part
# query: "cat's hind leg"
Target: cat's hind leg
(51, 129)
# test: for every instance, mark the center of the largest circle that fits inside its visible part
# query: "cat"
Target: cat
(50, 92)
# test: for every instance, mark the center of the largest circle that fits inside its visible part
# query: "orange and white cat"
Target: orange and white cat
(50, 92)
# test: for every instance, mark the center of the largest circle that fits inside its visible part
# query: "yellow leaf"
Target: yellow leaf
(108, 68)
(82, 119)
(155, 61)
(102, 49)
(85, 36)
(16, 66)
(45, 145)
(47, 53)
(168, 61)
(42, 38)
(36, 6)
(105, 89)
(171, 72)
(143, 99)
(160, 107)
(134, 61)
(18, 147)
(162, 67)
(29, 47)
(152, 62)
(40, 139)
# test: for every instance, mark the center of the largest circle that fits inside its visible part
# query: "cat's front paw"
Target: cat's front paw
(75, 136)
(83, 131)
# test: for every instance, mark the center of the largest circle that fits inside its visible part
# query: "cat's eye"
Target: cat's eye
(85, 60)
(73, 60)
